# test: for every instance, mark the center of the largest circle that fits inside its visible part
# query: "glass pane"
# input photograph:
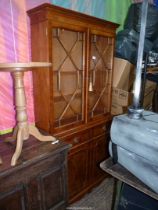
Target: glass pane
(68, 50)
(100, 75)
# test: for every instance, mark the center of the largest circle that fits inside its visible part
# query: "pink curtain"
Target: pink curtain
(14, 47)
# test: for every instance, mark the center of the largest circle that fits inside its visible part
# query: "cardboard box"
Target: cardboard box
(118, 103)
(147, 103)
(121, 99)
(149, 86)
(116, 109)
(148, 94)
(123, 79)
(123, 75)
(120, 96)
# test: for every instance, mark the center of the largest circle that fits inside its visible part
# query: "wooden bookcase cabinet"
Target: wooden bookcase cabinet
(73, 98)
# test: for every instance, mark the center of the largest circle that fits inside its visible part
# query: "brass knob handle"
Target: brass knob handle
(76, 140)
(104, 128)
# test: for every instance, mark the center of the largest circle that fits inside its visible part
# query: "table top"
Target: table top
(11, 67)
(119, 172)
(33, 151)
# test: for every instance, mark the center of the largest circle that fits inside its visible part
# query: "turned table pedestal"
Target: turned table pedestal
(23, 129)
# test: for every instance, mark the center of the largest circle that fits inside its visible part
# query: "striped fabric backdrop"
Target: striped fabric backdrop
(15, 43)
(139, 1)
(91, 7)
(14, 47)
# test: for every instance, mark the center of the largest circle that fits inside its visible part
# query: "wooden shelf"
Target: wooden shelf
(68, 121)
(22, 66)
(68, 72)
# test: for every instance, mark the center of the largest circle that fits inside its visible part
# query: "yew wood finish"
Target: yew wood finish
(38, 181)
(73, 97)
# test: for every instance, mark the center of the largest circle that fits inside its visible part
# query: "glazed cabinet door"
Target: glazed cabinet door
(68, 55)
(100, 75)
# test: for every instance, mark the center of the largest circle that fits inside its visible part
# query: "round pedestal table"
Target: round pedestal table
(23, 129)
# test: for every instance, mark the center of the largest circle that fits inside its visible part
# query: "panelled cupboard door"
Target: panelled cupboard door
(100, 74)
(14, 199)
(68, 56)
(78, 170)
(100, 153)
(52, 190)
